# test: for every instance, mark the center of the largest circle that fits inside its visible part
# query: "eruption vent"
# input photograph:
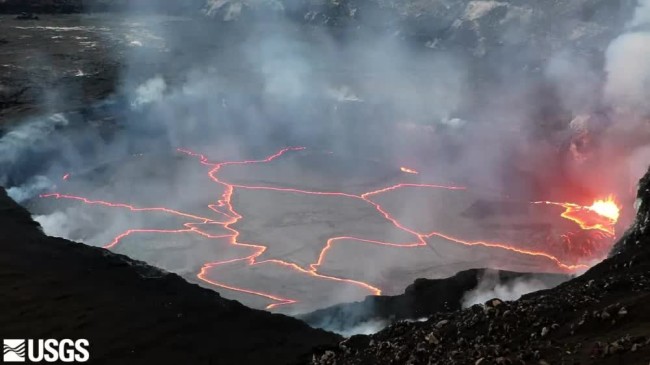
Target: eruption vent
(602, 215)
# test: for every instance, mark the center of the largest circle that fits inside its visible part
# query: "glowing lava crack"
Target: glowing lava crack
(602, 215)
(224, 208)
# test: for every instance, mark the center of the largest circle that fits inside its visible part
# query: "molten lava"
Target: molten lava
(408, 171)
(607, 208)
(601, 215)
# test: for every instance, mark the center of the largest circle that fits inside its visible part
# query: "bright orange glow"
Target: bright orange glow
(408, 171)
(602, 215)
(226, 210)
(66, 176)
(607, 208)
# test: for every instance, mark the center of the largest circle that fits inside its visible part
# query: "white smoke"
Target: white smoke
(365, 328)
(19, 141)
(576, 82)
(628, 72)
(638, 165)
(369, 327)
(212, 7)
(26, 136)
(30, 189)
(56, 224)
(232, 9)
(627, 66)
(642, 14)
(489, 287)
(149, 92)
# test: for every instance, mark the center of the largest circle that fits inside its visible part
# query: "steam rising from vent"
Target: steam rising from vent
(57, 224)
(367, 328)
(149, 92)
(490, 287)
(30, 189)
(26, 136)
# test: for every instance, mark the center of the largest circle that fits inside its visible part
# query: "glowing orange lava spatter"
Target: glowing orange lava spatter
(607, 208)
(602, 215)
(225, 209)
(408, 171)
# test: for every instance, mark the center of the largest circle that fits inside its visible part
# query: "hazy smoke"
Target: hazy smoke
(230, 10)
(149, 92)
(366, 328)
(57, 224)
(490, 287)
(18, 147)
(627, 90)
(26, 136)
(30, 189)
(628, 71)
(642, 14)
(576, 81)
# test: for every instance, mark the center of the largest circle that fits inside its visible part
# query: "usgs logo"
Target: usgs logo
(45, 350)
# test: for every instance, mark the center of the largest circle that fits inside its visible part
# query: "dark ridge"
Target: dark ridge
(84, 6)
(129, 311)
(423, 298)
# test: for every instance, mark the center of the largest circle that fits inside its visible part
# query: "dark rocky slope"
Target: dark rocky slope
(130, 312)
(423, 298)
(600, 317)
